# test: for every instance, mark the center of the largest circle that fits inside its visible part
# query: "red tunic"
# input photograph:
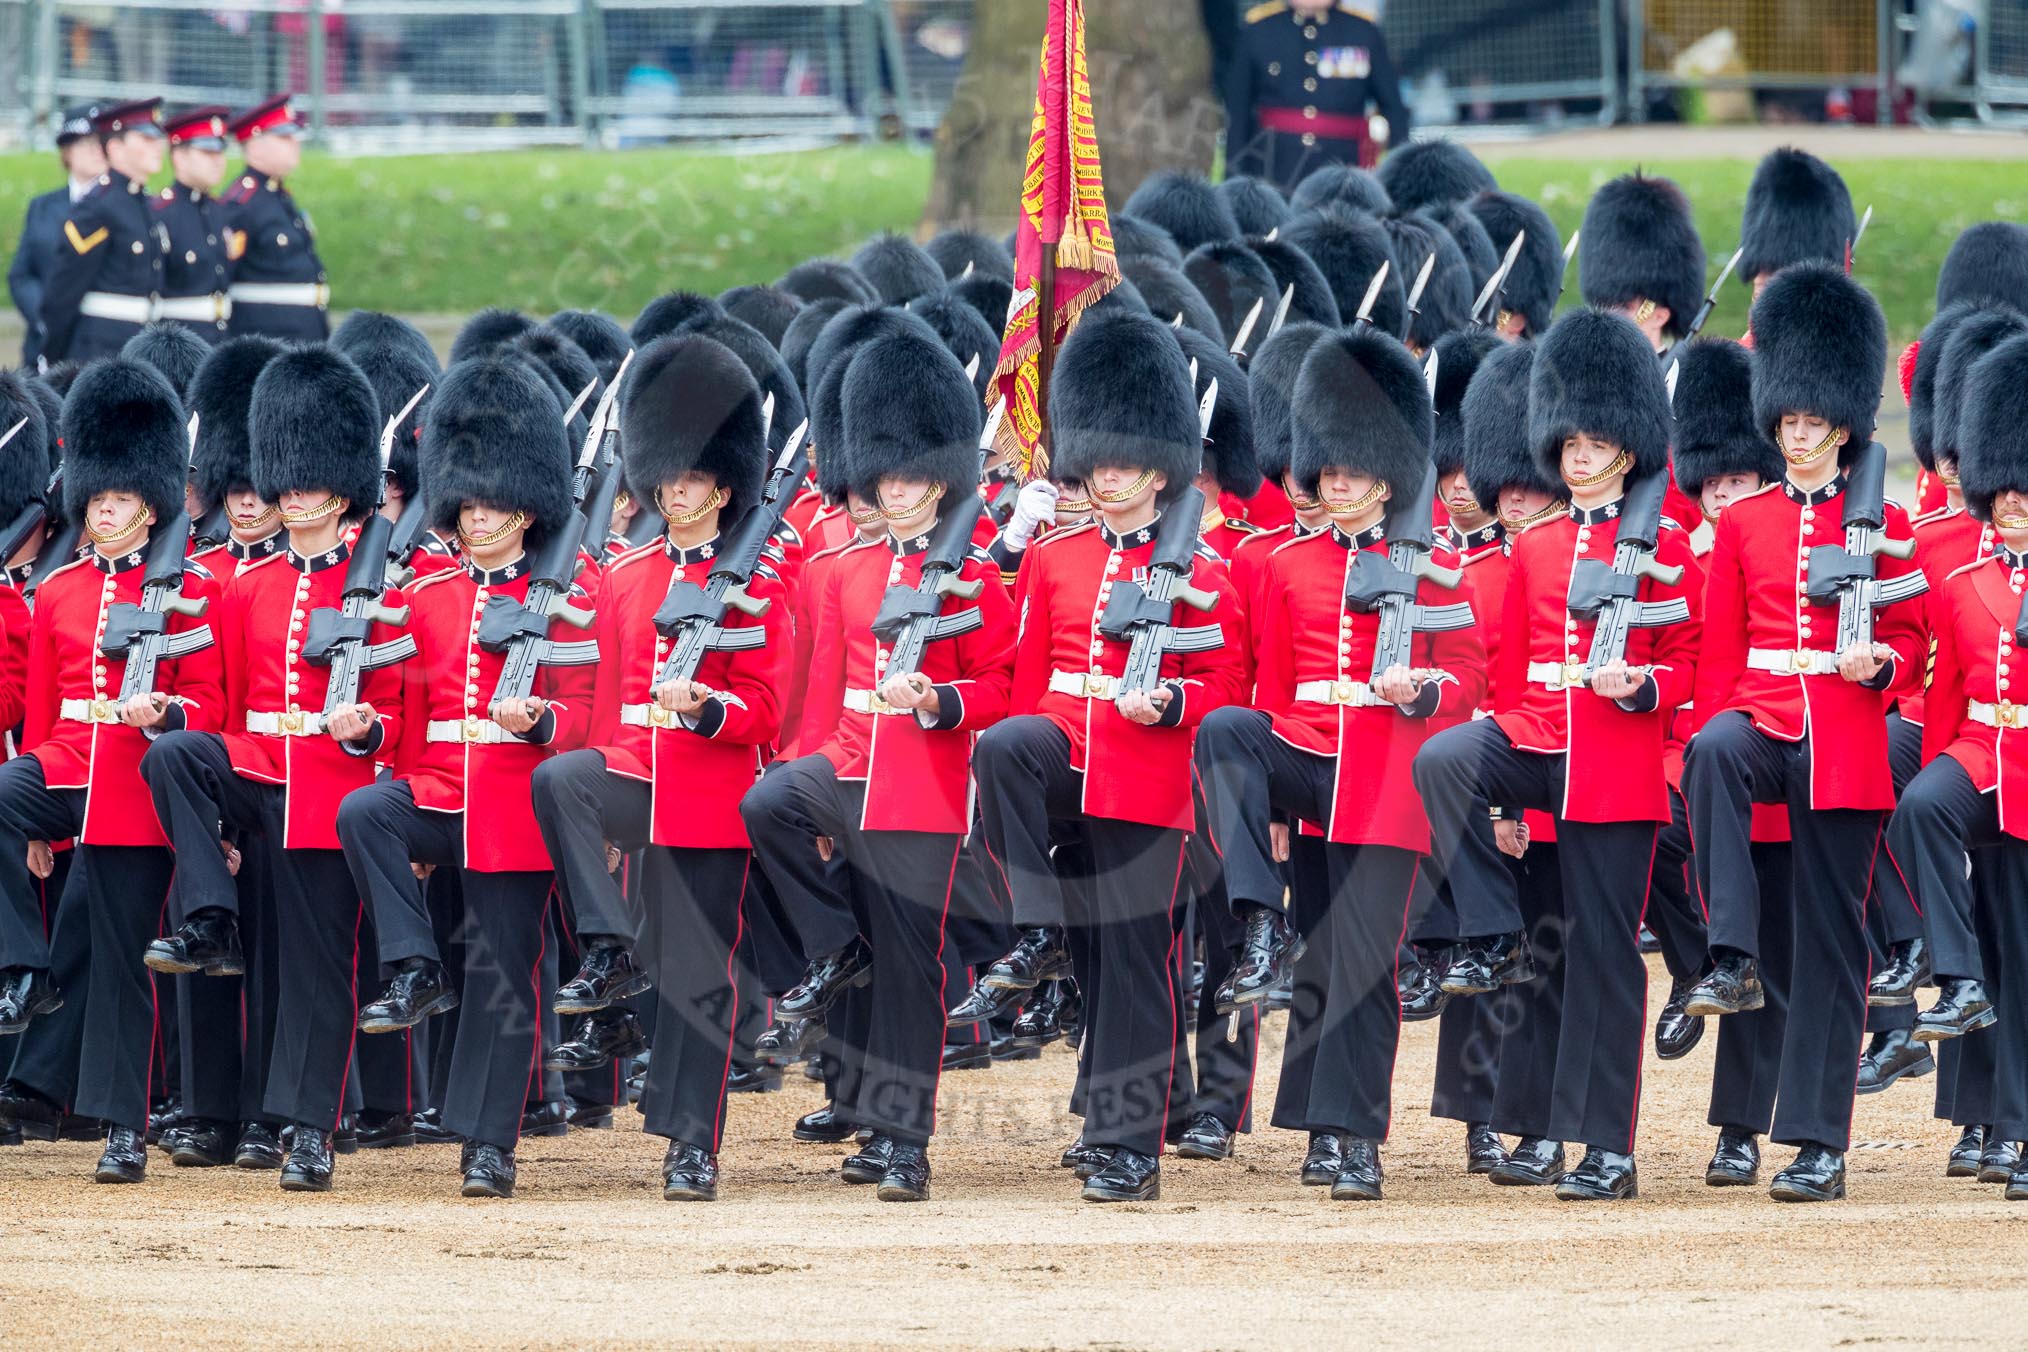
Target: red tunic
(1132, 772)
(260, 623)
(918, 776)
(1310, 640)
(14, 630)
(1265, 510)
(1944, 542)
(450, 682)
(1754, 599)
(65, 666)
(697, 771)
(1975, 660)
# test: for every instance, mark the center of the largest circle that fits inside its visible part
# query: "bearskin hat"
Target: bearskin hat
(488, 329)
(767, 308)
(1343, 184)
(172, 349)
(315, 424)
(1929, 351)
(61, 376)
(578, 427)
(600, 335)
(1481, 258)
(957, 248)
(494, 437)
(24, 461)
(802, 334)
(1458, 357)
(897, 268)
(1987, 264)
(1446, 303)
(1168, 293)
(1134, 237)
(1312, 300)
(1361, 405)
(1257, 206)
(367, 330)
(1798, 210)
(1187, 206)
(51, 404)
(1121, 396)
(1715, 431)
(853, 328)
(123, 432)
(1495, 411)
(566, 361)
(1124, 295)
(690, 403)
(770, 372)
(1348, 247)
(1271, 387)
(1995, 454)
(991, 296)
(1819, 346)
(1231, 278)
(1536, 279)
(667, 313)
(1595, 374)
(397, 361)
(816, 279)
(1228, 445)
(965, 332)
(933, 433)
(1963, 346)
(221, 396)
(1640, 243)
(1433, 173)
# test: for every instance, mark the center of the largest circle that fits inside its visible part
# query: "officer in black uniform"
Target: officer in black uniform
(106, 268)
(42, 226)
(1298, 89)
(195, 271)
(278, 285)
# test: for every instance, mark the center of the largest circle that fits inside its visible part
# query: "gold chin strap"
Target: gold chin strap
(622, 500)
(865, 518)
(1127, 494)
(1359, 504)
(1618, 466)
(692, 517)
(935, 492)
(1072, 506)
(1644, 312)
(497, 534)
(254, 522)
(1502, 320)
(1556, 507)
(2017, 521)
(121, 532)
(1831, 442)
(304, 517)
(1949, 480)
(1303, 504)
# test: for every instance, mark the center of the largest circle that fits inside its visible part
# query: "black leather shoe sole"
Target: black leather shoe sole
(1710, 1006)
(400, 1140)
(1483, 1164)
(831, 1135)
(1716, 1176)
(1349, 1188)
(300, 1180)
(1795, 1190)
(187, 1155)
(1569, 1189)
(632, 986)
(486, 1185)
(1203, 1148)
(443, 1004)
(893, 1189)
(1912, 1070)
(862, 1173)
(2017, 1189)
(1509, 1176)
(968, 1056)
(169, 963)
(1889, 999)
(688, 1190)
(257, 1158)
(1944, 1032)
(1995, 1174)
(1096, 1191)
(1319, 1176)
(118, 1173)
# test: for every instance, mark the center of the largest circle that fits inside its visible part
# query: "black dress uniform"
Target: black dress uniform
(41, 232)
(1297, 92)
(107, 266)
(194, 230)
(278, 283)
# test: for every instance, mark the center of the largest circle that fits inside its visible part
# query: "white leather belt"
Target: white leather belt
(480, 731)
(211, 309)
(870, 702)
(2001, 715)
(106, 305)
(1084, 684)
(1559, 675)
(316, 294)
(1358, 694)
(291, 724)
(1792, 661)
(89, 710)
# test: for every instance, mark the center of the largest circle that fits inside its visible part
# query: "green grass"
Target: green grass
(547, 229)
(1919, 207)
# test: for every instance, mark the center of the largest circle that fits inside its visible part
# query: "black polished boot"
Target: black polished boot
(1359, 1176)
(1532, 1163)
(823, 1126)
(1205, 1137)
(689, 1174)
(1039, 1023)
(1325, 1157)
(1999, 1160)
(826, 980)
(551, 1117)
(1907, 967)
(259, 1147)
(1676, 1029)
(126, 1157)
(982, 1004)
(1893, 1055)
(1736, 1161)
(201, 1144)
(489, 1171)
(308, 1167)
(750, 1077)
(1818, 1175)
(1601, 1176)
(24, 993)
(207, 942)
(1732, 986)
(25, 1108)
(1962, 1008)
(1266, 953)
(1964, 1156)
(1129, 1176)
(1481, 966)
(1085, 1160)
(1484, 1150)
(870, 1164)
(608, 975)
(420, 988)
(787, 1041)
(1421, 992)
(596, 1040)
(385, 1131)
(907, 1177)
(1039, 955)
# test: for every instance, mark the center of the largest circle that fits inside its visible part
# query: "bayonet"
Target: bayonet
(1482, 308)
(1365, 314)
(1421, 281)
(579, 402)
(1674, 352)
(1282, 310)
(1240, 339)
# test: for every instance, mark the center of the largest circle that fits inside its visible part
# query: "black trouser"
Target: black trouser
(1891, 914)
(1731, 766)
(444, 891)
(1941, 819)
(979, 930)
(897, 892)
(225, 1023)
(498, 1044)
(2004, 937)
(1309, 986)
(29, 810)
(397, 922)
(1528, 1016)
(1673, 911)
(1225, 1069)
(1461, 772)
(1746, 1072)
(44, 1056)
(1022, 768)
(316, 916)
(772, 950)
(1467, 1060)
(565, 952)
(1968, 1067)
(579, 806)
(125, 887)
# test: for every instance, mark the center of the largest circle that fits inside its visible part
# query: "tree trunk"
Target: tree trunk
(1152, 97)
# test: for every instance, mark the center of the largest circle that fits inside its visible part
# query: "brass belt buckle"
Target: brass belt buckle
(1799, 662)
(475, 728)
(2007, 714)
(102, 710)
(1344, 692)
(658, 717)
(1571, 675)
(292, 722)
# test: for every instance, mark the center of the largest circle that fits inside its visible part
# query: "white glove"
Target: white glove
(1035, 504)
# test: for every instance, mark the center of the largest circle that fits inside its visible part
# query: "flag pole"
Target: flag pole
(1046, 357)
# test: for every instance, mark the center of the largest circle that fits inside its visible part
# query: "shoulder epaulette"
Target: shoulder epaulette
(1667, 522)
(1979, 562)
(1746, 497)
(1051, 537)
(1295, 540)
(242, 190)
(1242, 525)
(262, 562)
(431, 580)
(631, 556)
(1266, 11)
(833, 550)
(1942, 513)
(1205, 551)
(59, 572)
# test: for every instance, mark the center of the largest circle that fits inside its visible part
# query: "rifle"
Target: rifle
(141, 633)
(1845, 573)
(1387, 585)
(1673, 355)
(912, 618)
(61, 547)
(338, 637)
(214, 528)
(693, 617)
(597, 479)
(1609, 593)
(1142, 613)
(1483, 309)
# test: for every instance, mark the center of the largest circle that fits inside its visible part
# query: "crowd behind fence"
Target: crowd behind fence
(411, 74)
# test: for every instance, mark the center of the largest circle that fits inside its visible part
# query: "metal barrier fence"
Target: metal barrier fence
(1483, 55)
(1799, 45)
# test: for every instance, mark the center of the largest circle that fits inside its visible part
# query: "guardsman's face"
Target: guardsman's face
(1073, 502)
(1519, 502)
(477, 520)
(1721, 490)
(114, 515)
(687, 492)
(1800, 433)
(192, 502)
(299, 500)
(203, 169)
(1339, 487)
(866, 517)
(908, 502)
(245, 507)
(2010, 512)
(1585, 456)
(1457, 495)
(1110, 480)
